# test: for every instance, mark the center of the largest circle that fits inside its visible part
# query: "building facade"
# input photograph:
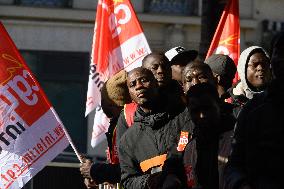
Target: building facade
(55, 37)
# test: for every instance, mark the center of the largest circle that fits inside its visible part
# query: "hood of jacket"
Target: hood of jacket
(243, 87)
(153, 119)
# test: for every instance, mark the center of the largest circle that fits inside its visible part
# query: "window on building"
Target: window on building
(64, 76)
(270, 29)
(178, 7)
(44, 3)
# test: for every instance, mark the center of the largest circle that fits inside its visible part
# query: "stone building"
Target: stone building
(55, 36)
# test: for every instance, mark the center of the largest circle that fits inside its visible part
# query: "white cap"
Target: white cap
(170, 54)
(178, 52)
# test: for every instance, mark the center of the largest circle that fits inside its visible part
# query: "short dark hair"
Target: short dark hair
(196, 65)
(142, 70)
(154, 54)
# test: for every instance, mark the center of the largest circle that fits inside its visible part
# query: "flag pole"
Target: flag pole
(69, 138)
(72, 145)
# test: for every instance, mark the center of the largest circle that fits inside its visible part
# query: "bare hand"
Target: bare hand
(90, 184)
(85, 168)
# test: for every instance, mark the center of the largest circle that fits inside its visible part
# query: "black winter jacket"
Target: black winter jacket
(257, 155)
(149, 138)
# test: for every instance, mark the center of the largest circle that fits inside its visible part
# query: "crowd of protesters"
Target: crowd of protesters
(177, 122)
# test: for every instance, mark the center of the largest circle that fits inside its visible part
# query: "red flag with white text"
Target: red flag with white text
(31, 132)
(226, 39)
(118, 43)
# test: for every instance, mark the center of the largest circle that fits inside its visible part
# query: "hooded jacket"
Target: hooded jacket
(242, 92)
(148, 133)
(143, 147)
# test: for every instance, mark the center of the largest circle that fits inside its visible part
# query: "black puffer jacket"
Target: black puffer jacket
(149, 138)
(257, 155)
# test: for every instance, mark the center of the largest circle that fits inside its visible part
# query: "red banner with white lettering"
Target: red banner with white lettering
(118, 43)
(31, 134)
(226, 39)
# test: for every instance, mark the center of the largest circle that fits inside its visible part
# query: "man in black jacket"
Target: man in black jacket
(143, 147)
(257, 157)
(168, 88)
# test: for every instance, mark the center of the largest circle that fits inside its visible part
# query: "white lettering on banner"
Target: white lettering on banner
(25, 94)
(183, 140)
(127, 13)
(114, 23)
(134, 56)
(11, 132)
(27, 155)
(97, 81)
(7, 107)
(96, 76)
(22, 89)
(16, 169)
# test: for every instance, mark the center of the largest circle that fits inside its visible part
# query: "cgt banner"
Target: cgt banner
(118, 43)
(31, 134)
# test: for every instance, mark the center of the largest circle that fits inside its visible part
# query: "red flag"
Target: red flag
(31, 132)
(226, 39)
(118, 43)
